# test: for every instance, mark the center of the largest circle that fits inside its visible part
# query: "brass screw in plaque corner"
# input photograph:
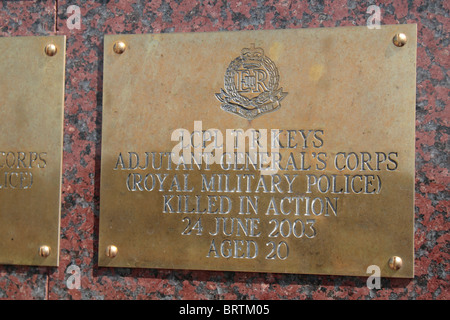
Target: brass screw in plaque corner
(50, 50)
(395, 263)
(399, 39)
(119, 47)
(44, 251)
(111, 251)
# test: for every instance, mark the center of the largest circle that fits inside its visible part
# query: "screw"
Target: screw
(119, 47)
(111, 251)
(395, 263)
(50, 50)
(44, 251)
(399, 39)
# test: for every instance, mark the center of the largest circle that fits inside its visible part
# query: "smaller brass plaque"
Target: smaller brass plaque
(287, 151)
(31, 134)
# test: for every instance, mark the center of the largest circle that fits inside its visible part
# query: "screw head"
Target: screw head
(111, 251)
(395, 263)
(119, 47)
(50, 50)
(399, 39)
(44, 251)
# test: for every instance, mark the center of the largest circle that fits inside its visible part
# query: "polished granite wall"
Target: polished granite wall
(82, 147)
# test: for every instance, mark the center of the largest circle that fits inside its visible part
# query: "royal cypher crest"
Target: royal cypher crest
(251, 85)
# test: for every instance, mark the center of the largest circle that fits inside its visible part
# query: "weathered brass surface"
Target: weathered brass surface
(342, 197)
(31, 130)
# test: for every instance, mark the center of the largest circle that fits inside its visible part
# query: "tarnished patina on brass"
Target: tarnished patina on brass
(344, 102)
(31, 131)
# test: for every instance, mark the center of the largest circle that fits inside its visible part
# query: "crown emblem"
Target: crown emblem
(251, 85)
(252, 57)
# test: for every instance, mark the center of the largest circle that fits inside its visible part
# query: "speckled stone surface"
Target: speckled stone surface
(82, 146)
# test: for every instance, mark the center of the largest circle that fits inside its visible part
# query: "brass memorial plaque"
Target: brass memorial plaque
(287, 151)
(31, 132)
